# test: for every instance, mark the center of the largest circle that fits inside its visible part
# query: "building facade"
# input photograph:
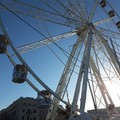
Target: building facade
(26, 109)
(102, 114)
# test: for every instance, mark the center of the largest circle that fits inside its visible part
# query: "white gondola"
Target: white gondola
(19, 74)
(3, 44)
(103, 3)
(111, 13)
(45, 93)
(43, 99)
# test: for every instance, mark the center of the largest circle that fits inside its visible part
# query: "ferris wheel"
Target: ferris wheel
(91, 66)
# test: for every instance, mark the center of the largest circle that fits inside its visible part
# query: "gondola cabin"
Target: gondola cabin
(111, 13)
(103, 3)
(19, 73)
(43, 99)
(45, 93)
(3, 44)
(118, 24)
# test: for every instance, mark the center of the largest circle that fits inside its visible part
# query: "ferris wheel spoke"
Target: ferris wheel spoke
(93, 88)
(108, 33)
(104, 69)
(103, 21)
(42, 12)
(100, 101)
(118, 62)
(110, 62)
(34, 13)
(40, 9)
(9, 57)
(72, 66)
(114, 38)
(74, 5)
(82, 7)
(41, 43)
(61, 23)
(97, 58)
(93, 10)
(63, 19)
(92, 95)
(100, 83)
(72, 12)
(109, 50)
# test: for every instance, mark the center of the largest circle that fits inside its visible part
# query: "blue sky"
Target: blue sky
(43, 62)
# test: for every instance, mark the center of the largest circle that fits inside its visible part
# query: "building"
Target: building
(103, 114)
(21, 109)
(26, 109)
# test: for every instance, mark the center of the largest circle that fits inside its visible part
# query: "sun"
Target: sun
(113, 88)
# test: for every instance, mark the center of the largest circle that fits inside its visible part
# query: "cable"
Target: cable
(59, 14)
(29, 69)
(83, 20)
(82, 9)
(58, 11)
(54, 52)
(64, 51)
(78, 10)
(34, 29)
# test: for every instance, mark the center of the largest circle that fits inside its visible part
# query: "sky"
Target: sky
(42, 61)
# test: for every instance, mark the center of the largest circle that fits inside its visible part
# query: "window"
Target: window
(23, 110)
(34, 111)
(16, 111)
(24, 104)
(29, 104)
(40, 112)
(27, 118)
(28, 111)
